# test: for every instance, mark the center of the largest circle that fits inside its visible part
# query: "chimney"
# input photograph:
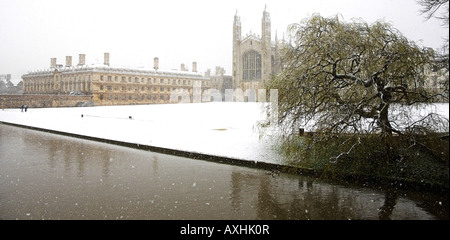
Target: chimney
(208, 73)
(81, 59)
(68, 61)
(219, 71)
(53, 62)
(183, 68)
(156, 63)
(194, 67)
(106, 59)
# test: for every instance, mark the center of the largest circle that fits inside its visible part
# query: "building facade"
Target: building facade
(255, 59)
(220, 81)
(113, 85)
(437, 81)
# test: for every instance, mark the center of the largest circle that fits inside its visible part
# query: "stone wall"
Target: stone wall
(41, 101)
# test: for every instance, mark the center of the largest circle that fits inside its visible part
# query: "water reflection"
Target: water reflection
(46, 176)
(390, 199)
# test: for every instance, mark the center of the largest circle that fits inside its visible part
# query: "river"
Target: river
(48, 176)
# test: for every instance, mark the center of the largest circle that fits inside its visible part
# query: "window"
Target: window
(252, 66)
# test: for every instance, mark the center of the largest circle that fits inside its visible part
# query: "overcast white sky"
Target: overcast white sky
(176, 31)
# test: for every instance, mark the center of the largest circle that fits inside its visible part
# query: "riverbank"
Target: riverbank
(60, 177)
(423, 166)
(219, 132)
(320, 172)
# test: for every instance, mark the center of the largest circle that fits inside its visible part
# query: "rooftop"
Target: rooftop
(112, 69)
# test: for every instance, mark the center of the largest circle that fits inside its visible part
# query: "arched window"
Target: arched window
(252, 66)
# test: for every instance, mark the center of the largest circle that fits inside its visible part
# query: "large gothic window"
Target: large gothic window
(252, 66)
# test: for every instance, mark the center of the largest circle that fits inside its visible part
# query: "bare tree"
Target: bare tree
(431, 7)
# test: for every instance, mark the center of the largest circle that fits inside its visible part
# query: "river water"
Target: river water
(48, 176)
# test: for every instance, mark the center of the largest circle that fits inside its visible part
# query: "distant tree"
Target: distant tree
(10, 88)
(19, 87)
(352, 79)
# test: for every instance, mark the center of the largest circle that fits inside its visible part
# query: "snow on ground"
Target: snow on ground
(220, 128)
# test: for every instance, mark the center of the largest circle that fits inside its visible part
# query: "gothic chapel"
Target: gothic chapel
(255, 59)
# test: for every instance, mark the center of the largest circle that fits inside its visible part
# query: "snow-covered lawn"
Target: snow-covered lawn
(219, 128)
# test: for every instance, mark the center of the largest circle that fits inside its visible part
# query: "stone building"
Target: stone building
(437, 80)
(220, 81)
(255, 59)
(110, 85)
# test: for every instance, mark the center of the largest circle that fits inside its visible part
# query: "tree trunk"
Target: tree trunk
(387, 143)
(383, 121)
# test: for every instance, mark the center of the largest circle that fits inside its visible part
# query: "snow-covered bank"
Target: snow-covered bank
(221, 129)
(224, 129)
